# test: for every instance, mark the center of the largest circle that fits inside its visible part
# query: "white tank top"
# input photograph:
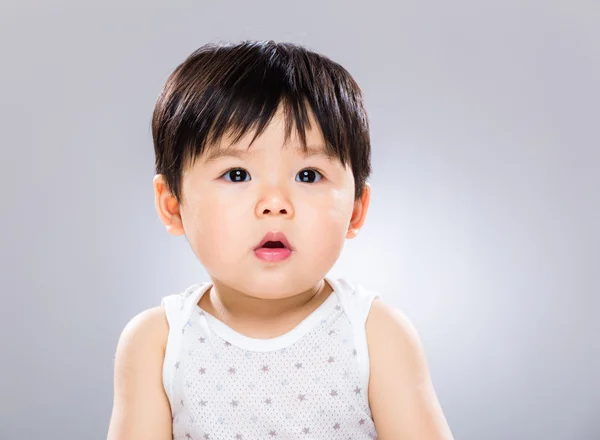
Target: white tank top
(310, 383)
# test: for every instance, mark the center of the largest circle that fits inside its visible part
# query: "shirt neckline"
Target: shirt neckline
(271, 344)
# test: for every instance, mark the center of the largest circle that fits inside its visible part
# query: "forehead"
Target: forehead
(243, 152)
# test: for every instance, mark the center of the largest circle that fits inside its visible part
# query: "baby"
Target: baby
(262, 160)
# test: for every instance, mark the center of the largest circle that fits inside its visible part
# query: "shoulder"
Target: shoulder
(140, 352)
(138, 386)
(395, 349)
(355, 298)
(385, 321)
(401, 393)
(392, 340)
(146, 331)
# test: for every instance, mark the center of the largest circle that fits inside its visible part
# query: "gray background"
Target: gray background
(483, 226)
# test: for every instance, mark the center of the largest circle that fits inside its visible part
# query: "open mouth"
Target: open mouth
(273, 245)
(274, 240)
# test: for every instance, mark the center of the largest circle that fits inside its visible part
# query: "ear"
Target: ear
(359, 213)
(167, 206)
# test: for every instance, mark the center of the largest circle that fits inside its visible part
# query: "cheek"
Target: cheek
(214, 232)
(329, 221)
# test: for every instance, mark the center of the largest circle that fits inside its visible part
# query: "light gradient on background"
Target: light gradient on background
(483, 225)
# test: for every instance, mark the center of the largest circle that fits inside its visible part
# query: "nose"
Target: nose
(274, 202)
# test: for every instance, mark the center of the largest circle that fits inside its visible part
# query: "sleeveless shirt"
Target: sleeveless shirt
(310, 383)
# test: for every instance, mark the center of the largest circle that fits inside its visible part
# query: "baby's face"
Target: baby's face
(230, 203)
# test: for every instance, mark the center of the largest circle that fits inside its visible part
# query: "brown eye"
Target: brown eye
(309, 176)
(237, 175)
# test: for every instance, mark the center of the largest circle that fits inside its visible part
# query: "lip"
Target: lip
(275, 236)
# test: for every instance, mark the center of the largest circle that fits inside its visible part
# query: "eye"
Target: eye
(237, 175)
(309, 176)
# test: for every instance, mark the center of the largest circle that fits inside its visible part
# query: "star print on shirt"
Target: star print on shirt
(238, 380)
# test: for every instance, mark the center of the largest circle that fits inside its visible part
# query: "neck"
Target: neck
(226, 303)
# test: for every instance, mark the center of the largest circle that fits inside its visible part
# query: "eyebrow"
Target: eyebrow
(218, 153)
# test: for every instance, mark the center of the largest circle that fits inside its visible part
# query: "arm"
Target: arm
(141, 410)
(403, 401)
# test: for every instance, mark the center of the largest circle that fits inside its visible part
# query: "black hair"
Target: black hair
(236, 88)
